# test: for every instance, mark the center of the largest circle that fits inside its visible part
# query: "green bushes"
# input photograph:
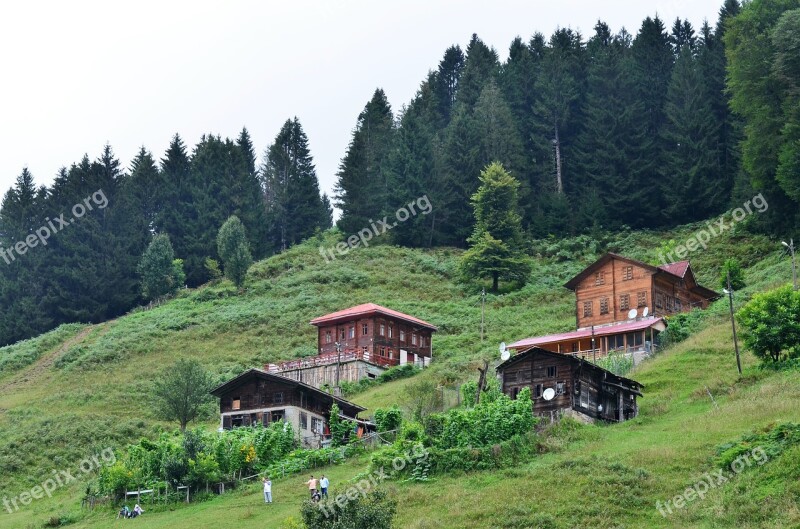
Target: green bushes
(771, 324)
(197, 458)
(774, 441)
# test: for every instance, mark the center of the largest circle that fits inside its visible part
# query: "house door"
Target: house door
(403, 357)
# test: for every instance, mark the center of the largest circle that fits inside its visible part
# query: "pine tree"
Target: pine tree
(157, 268)
(691, 136)
(496, 250)
(295, 209)
(445, 83)
(480, 67)
(234, 250)
(361, 191)
(557, 110)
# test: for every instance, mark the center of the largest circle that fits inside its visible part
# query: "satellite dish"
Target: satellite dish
(505, 355)
(549, 393)
(645, 312)
(632, 314)
(502, 347)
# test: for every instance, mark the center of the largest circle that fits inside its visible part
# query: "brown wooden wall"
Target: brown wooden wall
(373, 340)
(258, 394)
(611, 286)
(533, 371)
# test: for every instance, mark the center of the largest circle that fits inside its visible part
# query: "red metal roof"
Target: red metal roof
(678, 268)
(618, 328)
(367, 309)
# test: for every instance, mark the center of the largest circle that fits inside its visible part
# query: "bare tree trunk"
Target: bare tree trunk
(481, 381)
(557, 144)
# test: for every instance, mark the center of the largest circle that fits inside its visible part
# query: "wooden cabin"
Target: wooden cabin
(607, 291)
(361, 342)
(258, 397)
(577, 386)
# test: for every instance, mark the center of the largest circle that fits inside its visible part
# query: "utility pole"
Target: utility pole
(338, 361)
(729, 291)
(483, 310)
(794, 264)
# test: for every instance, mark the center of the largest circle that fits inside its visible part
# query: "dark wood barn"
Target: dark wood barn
(577, 386)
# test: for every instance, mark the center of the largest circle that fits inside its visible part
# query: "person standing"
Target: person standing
(323, 485)
(267, 490)
(312, 486)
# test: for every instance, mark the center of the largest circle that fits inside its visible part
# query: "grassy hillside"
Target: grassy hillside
(79, 389)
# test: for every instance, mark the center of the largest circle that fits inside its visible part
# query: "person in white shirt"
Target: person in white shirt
(323, 485)
(267, 490)
(137, 510)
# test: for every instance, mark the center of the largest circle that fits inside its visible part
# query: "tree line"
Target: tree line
(667, 126)
(90, 270)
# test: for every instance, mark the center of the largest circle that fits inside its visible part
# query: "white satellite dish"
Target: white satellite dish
(645, 312)
(549, 393)
(632, 314)
(505, 355)
(502, 347)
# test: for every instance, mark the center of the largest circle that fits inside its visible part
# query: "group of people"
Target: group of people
(317, 487)
(125, 512)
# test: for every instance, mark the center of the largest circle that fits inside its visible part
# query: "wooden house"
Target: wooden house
(361, 342)
(259, 397)
(565, 384)
(608, 291)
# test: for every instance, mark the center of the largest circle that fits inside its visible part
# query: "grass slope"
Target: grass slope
(71, 394)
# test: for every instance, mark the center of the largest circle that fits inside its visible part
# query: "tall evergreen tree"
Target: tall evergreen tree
(496, 242)
(295, 209)
(445, 82)
(691, 139)
(361, 191)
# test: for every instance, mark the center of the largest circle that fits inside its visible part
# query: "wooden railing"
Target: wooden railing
(325, 359)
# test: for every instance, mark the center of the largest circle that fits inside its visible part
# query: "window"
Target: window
(278, 415)
(600, 278)
(551, 371)
(625, 302)
(402, 335)
(678, 305)
(537, 391)
(303, 421)
(574, 347)
(364, 329)
(414, 338)
(669, 303)
(641, 299)
(603, 305)
(277, 397)
(328, 337)
(383, 351)
(383, 329)
(391, 354)
(352, 332)
(341, 335)
(584, 395)
(587, 309)
(659, 300)
(391, 331)
(627, 273)
(317, 425)
(365, 350)
(237, 403)
(561, 388)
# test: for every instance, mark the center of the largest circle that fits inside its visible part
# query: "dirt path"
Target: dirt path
(44, 363)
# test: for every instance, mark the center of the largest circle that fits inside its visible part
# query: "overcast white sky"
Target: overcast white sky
(79, 74)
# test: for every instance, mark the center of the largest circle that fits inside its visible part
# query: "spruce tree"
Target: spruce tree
(234, 250)
(158, 271)
(361, 191)
(691, 136)
(496, 242)
(295, 209)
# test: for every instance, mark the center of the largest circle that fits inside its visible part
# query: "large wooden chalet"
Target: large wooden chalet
(565, 384)
(605, 294)
(361, 342)
(258, 397)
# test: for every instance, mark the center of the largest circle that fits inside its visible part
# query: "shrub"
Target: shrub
(771, 324)
(374, 510)
(389, 419)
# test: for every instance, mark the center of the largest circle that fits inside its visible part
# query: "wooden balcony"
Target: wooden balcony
(325, 359)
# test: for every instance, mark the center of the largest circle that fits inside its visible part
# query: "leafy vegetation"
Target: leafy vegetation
(771, 324)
